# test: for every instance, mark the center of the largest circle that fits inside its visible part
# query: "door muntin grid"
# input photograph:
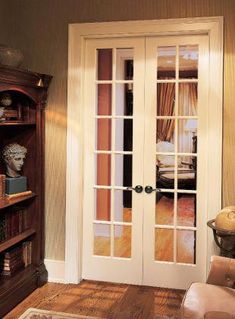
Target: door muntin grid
(176, 154)
(113, 154)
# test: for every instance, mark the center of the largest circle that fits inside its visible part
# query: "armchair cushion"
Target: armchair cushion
(215, 296)
(202, 298)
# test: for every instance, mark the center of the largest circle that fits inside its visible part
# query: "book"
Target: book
(2, 185)
(27, 253)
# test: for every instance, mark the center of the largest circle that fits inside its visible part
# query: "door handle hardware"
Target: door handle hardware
(148, 189)
(138, 188)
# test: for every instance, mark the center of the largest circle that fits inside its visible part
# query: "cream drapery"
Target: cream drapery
(165, 107)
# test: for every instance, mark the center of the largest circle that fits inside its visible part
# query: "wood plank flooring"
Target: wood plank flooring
(105, 300)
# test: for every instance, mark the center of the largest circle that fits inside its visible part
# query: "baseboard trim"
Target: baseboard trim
(56, 270)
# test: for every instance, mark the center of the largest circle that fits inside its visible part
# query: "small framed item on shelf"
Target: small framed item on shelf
(22, 104)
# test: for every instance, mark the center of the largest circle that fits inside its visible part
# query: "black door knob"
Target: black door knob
(137, 188)
(148, 189)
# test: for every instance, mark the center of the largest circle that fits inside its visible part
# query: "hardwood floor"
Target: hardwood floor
(105, 300)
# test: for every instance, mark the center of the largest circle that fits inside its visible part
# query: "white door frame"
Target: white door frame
(78, 33)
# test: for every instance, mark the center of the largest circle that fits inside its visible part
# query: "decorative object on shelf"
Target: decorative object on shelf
(14, 155)
(223, 227)
(5, 99)
(10, 56)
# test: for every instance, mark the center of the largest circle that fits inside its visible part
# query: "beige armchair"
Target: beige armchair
(215, 298)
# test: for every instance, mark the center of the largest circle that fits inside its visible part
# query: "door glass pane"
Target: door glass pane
(103, 169)
(187, 136)
(186, 210)
(124, 134)
(164, 244)
(104, 131)
(104, 99)
(186, 246)
(165, 131)
(123, 170)
(166, 61)
(164, 208)
(104, 64)
(165, 171)
(188, 61)
(124, 62)
(122, 241)
(123, 205)
(165, 99)
(102, 240)
(186, 172)
(103, 207)
(124, 99)
(188, 99)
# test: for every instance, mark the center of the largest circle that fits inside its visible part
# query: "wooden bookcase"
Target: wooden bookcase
(29, 93)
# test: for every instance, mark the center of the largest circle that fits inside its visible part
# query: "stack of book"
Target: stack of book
(12, 261)
(13, 223)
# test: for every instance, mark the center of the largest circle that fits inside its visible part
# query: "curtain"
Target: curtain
(187, 106)
(165, 107)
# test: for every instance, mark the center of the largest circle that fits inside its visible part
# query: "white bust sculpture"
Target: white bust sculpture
(14, 155)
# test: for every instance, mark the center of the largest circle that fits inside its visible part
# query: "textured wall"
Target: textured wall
(40, 29)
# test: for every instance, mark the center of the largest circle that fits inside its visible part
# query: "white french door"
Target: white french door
(145, 102)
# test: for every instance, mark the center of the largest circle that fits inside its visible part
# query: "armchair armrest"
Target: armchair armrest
(222, 271)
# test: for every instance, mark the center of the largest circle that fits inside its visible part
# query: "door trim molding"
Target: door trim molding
(78, 33)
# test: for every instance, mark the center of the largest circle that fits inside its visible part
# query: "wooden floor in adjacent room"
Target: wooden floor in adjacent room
(104, 300)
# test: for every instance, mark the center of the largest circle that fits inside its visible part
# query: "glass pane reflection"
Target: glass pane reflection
(165, 171)
(102, 240)
(188, 61)
(165, 131)
(187, 136)
(165, 99)
(166, 58)
(186, 210)
(186, 246)
(104, 65)
(123, 205)
(187, 172)
(123, 170)
(124, 134)
(188, 99)
(124, 63)
(124, 99)
(104, 129)
(103, 207)
(164, 239)
(104, 99)
(103, 169)
(164, 213)
(122, 241)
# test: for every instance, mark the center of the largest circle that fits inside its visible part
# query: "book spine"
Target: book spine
(2, 185)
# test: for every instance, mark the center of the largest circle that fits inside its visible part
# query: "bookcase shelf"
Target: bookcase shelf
(17, 239)
(22, 120)
(4, 203)
(14, 123)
